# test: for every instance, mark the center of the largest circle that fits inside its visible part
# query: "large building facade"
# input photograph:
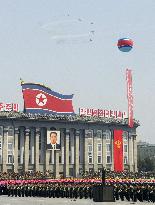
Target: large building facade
(145, 151)
(86, 143)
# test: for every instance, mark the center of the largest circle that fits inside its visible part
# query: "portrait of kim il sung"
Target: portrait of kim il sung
(53, 140)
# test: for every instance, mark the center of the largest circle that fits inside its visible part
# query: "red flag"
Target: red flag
(118, 150)
(40, 99)
(129, 97)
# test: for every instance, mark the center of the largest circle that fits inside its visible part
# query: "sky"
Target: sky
(71, 46)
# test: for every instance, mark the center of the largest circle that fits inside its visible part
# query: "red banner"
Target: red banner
(129, 97)
(118, 150)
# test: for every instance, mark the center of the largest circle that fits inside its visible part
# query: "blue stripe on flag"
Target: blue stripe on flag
(46, 90)
(42, 112)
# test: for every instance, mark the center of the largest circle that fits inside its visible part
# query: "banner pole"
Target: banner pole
(103, 176)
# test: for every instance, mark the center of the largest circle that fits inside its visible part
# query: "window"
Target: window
(70, 171)
(89, 134)
(108, 137)
(125, 148)
(90, 148)
(10, 147)
(80, 171)
(99, 146)
(90, 154)
(10, 159)
(107, 134)
(99, 153)
(108, 159)
(125, 160)
(125, 136)
(99, 134)
(108, 147)
(60, 159)
(10, 131)
(99, 161)
(90, 159)
(0, 145)
(10, 152)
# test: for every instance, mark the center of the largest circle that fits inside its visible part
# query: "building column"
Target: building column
(47, 160)
(82, 150)
(86, 167)
(48, 153)
(42, 149)
(62, 145)
(57, 153)
(95, 152)
(5, 149)
(21, 133)
(26, 150)
(32, 145)
(36, 158)
(135, 153)
(76, 153)
(57, 164)
(66, 164)
(16, 135)
(130, 141)
(112, 152)
(72, 139)
(104, 157)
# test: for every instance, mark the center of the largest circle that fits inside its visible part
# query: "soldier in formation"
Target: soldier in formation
(51, 190)
(122, 191)
(135, 192)
(126, 190)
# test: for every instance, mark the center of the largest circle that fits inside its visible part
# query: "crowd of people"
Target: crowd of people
(120, 175)
(84, 175)
(25, 175)
(126, 185)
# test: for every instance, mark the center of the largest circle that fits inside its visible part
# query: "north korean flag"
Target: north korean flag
(42, 100)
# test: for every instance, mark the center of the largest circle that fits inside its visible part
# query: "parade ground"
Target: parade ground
(4, 200)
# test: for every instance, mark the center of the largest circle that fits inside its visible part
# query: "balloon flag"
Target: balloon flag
(125, 44)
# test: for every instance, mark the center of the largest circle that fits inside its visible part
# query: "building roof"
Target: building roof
(70, 118)
(146, 145)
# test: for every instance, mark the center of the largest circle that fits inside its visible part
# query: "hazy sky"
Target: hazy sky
(71, 46)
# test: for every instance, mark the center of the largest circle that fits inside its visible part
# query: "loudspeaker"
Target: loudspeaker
(108, 193)
(103, 193)
(103, 177)
(97, 193)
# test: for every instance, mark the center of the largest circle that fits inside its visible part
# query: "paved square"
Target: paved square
(4, 200)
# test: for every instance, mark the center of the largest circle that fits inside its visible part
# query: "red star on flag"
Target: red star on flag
(41, 99)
